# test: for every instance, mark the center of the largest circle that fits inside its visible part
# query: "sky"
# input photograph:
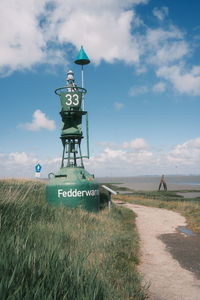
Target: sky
(143, 84)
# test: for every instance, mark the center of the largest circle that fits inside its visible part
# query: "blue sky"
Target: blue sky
(143, 84)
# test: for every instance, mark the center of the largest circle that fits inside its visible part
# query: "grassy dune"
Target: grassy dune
(58, 253)
(190, 208)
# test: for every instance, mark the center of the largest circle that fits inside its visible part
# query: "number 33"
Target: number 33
(72, 99)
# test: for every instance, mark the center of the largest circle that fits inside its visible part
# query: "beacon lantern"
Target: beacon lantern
(72, 185)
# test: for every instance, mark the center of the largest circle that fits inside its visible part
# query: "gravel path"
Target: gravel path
(167, 278)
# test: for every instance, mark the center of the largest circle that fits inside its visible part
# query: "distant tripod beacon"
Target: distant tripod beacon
(162, 182)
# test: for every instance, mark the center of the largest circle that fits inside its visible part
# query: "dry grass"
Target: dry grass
(58, 253)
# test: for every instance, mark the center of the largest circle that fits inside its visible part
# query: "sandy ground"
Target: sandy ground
(167, 278)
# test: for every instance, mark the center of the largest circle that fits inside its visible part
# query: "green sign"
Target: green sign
(71, 100)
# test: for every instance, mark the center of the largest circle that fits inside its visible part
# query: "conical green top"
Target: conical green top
(82, 58)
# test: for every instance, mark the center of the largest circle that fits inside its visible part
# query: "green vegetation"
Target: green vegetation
(188, 207)
(58, 253)
(165, 195)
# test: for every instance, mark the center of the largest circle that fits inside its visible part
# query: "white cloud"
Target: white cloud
(195, 70)
(159, 87)
(184, 81)
(127, 159)
(18, 158)
(140, 69)
(169, 52)
(102, 44)
(16, 164)
(118, 105)
(120, 162)
(23, 43)
(156, 36)
(164, 47)
(35, 30)
(138, 144)
(187, 153)
(160, 48)
(160, 13)
(40, 121)
(135, 158)
(138, 90)
(166, 50)
(22, 164)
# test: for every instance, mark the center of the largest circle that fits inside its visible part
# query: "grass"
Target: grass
(188, 207)
(58, 253)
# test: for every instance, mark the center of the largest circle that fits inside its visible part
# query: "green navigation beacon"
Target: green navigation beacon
(73, 186)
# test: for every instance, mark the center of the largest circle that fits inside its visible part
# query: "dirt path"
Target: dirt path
(168, 279)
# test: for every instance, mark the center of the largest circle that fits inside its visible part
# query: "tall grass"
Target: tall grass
(58, 253)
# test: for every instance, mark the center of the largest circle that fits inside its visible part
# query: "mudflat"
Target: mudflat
(151, 183)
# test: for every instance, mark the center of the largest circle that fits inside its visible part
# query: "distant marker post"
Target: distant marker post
(38, 168)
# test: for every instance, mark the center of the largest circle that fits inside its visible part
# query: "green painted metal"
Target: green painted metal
(71, 100)
(82, 58)
(87, 134)
(73, 187)
(58, 91)
(71, 111)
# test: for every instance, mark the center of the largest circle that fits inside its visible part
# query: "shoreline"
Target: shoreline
(151, 183)
(136, 186)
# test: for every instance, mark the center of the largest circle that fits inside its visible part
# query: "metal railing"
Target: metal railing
(110, 191)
